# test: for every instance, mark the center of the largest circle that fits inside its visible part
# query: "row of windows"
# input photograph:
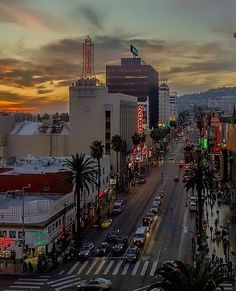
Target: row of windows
(11, 234)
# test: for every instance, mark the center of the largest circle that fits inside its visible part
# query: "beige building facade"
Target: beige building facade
(96, 114)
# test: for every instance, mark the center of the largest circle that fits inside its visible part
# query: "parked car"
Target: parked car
(181, 164)
(193, 206)
(112, 235)
(103, 249)
(147, 222)
(150, 216)
(133, 254)
(185, 178)
(176, 178)
(106, 223)
(86, 250)
(160, 193)
(158, 198)
(141, 179)
(155, 209)
(95, 284)
(120, 245)
(156, 203)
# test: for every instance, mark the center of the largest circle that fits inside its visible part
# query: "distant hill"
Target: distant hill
(188, 101)
(220, 91)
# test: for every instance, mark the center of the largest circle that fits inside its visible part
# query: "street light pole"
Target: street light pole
(23, 216)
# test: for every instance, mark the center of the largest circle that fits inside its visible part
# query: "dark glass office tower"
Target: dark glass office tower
(135, 77)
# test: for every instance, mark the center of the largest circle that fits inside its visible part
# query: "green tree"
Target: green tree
(136, 139)
(116, 145)
(82, 174)
(201, 177)
(97, 150)
(179, 276)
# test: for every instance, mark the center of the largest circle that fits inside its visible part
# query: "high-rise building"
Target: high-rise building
(135, 77)
(173, 107)
(164, 103)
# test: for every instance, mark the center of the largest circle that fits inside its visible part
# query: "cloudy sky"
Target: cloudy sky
(189, 42)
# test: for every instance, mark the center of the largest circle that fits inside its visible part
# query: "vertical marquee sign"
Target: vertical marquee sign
(140, 119)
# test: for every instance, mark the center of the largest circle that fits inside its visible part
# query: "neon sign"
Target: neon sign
(140, 119)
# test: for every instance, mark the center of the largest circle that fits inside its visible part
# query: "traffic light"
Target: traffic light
(204, 143)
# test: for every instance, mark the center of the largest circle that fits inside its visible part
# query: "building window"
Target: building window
(12, 234)
(46, 187)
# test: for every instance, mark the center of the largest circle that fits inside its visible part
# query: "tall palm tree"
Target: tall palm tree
(201, 177)
(82, 174)
(201, 276)
(97, 150)
(116, 145)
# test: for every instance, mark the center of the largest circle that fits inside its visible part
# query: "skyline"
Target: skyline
(190, 44)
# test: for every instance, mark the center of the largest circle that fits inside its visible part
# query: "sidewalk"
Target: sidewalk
(224, 220)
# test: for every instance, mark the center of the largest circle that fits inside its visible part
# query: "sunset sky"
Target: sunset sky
(190, 42)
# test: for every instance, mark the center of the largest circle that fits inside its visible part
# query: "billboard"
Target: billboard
(133, 50)
(140, 119)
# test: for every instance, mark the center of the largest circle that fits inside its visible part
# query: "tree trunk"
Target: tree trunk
(78, 238)
(200, 212)
(99, 187)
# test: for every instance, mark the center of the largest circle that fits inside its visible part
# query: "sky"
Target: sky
(189, 42)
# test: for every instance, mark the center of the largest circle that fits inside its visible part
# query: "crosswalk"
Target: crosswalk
(111, 267)
(25, 284)
(64, 283)
(226, 285)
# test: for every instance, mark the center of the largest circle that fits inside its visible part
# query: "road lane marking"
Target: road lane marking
(136, 268)
(125, 270)
(25, 287)
(154, 266)
(72, 268)
(59, 280)
(34, 280)
(144, 268)
(117, 268)
(61, 272)
(69, 285)
(108, 267)
(100, 267)
(29, 283)
(82, 267)
(91, 267)
(65, 282)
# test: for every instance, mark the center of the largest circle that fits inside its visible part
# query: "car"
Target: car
(147, 222)
(150, 216)
(176, 178)
(185, 178)
(132, 254)
(120, 245)
(160, 193)
(86, 250)
(95, 284)
(171, 157)
(112, 235)
(141, 179)
(106, 223)
(103, 249)
(156, 203)
(193, 206)
(158, 199)
(181, 164)
(155, 210)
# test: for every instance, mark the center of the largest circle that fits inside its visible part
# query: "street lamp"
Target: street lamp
(23, 216)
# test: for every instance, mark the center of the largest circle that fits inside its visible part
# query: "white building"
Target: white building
(173, 107)
(164, 103)
(96, 114)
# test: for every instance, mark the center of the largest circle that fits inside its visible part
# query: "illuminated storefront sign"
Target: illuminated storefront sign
(140, 119)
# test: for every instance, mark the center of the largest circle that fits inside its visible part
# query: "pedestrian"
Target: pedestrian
(216, 223)
(25, 267)
(30, 267)
(211, 230)
(218, 214)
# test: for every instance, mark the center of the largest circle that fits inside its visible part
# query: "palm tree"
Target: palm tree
(136, 139)
(82, 175)
(201, 177)
(117, 147)
(97, 149)
(201, 276)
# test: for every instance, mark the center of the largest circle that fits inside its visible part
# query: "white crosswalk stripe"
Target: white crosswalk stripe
(65, 282)
(82, 267)
(125, 270)
(24, 284)
(145, 266)
(72, 268)
(135, 269)
(108, 268)
(117, 268)
(91, 267)
(100, 267)
(227, 286)
(154, 266)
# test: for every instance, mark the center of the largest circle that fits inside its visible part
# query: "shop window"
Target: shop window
(12, 234)
(3, 233)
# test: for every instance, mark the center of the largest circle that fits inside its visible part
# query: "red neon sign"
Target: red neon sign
(140, 119)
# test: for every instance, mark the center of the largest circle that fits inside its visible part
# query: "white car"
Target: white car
(193, 206)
